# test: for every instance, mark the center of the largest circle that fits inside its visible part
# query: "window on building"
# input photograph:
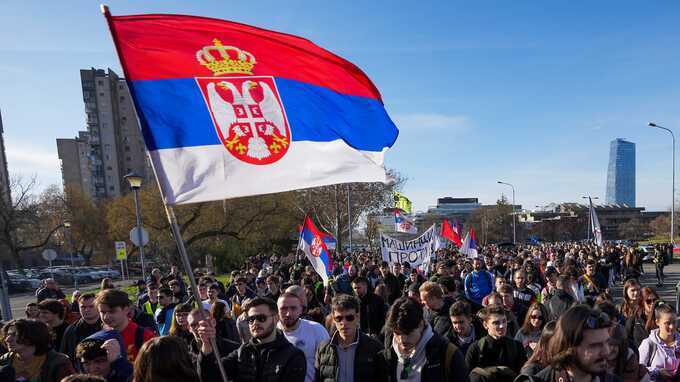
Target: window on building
(111, 188)
(100, 83)
(109, 168)
(127, 148)
(128, 159)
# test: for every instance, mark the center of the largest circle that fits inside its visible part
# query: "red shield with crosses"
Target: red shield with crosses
(248, 116)
(316, 247)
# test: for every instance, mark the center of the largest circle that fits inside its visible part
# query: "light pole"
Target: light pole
(590, 216)
(67, 225)
(135, 182)
(652, 124)
(514, 230)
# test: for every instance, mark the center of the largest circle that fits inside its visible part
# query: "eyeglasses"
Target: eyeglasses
(536, 317)
(257, 317)
(349, 318)
(650, 300)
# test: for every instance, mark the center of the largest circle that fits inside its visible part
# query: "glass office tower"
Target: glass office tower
(621, 173)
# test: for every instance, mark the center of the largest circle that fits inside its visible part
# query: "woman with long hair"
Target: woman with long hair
(180, 325)
(539, 358)
(638, 326)
(622, 360)
(224, 325)
(530, 332)
(164, 359)
(632, 299)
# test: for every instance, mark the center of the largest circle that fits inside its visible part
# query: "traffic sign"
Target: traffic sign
(134, 237)
(49, 254)
(121, 251)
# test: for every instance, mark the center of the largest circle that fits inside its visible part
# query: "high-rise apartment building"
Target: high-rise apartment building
(99, 158)
(4, 174)
(621, 173)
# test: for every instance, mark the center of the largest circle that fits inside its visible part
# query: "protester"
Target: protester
(479, 283)
(465, 328)
(164, 359)
(52, 314)
(180, 326)
(372, 307)
(639, 326)
(49, 290)
(350, 355)
(495, 357)
(29, 355)
(224, 324)
(104, 359)
(304, 334)
(224, 345)
(560, 300)
(579, 349)
(415, 352)
(164, 312)
(114, 309)
(32, 310)
(624, 361)
(530, 332)
(88, 324)
(660, 352)
(539, 358)
(437, 308)
(267, 357)
(151, 303)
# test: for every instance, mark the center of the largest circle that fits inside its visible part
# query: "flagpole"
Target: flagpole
(169, 211)
(349, 217)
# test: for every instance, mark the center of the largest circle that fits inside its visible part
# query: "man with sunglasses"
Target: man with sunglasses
(306, 335)
(267, 357)
(164, 311)
(350, 355)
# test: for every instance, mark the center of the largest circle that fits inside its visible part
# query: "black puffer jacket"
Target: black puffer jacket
(436, 368)
(369, 364)
(372, 312)
(276, 361)
(439, 319)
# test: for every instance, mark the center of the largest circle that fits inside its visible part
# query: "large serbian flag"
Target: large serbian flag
(230, 110)
(312, 244)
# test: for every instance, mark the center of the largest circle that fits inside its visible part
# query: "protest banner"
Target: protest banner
(414, 252)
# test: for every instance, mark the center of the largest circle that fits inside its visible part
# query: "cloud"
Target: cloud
(433, 121)
(20, 155)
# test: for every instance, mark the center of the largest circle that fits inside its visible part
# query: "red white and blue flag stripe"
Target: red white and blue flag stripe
(469, 246)
(313, 245)
(230, 110)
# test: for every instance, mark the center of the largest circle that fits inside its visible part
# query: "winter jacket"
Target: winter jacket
(632, 370)
(478, 285)
(636, 331)
(74, 334)
(479, 332)
(490, 352)
(55, 367)
(549, 374)
(369, 364)
(372, 313)
(657, 356)
(437, 351)
(559, 302)
(439, 319)
(274, 361)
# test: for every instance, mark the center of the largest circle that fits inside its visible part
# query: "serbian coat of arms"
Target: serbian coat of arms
(246, 110)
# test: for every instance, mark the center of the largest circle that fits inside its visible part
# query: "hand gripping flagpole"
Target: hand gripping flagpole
(172, 219)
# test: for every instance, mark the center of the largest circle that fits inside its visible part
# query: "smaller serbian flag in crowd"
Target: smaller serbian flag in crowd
(313, 245)
(403, 224)
(469, 246)
(230, 110)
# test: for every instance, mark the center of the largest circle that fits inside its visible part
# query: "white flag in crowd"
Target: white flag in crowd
(595, 224)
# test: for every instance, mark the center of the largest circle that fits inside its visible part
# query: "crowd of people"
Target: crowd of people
(526, 313)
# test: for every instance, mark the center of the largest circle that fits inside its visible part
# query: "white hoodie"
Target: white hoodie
(656, 355)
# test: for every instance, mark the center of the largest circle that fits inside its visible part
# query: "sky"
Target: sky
(529, 92)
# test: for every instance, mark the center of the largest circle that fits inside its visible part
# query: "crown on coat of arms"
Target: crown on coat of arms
(223, 59)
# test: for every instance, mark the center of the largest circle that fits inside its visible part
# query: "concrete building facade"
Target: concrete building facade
(99, 158)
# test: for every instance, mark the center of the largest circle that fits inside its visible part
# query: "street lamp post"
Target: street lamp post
(652, 124)
(589, 213)
(135, 182)
(67, 225)
(514, 229)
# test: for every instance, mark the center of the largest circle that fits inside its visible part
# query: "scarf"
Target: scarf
(411, 367)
